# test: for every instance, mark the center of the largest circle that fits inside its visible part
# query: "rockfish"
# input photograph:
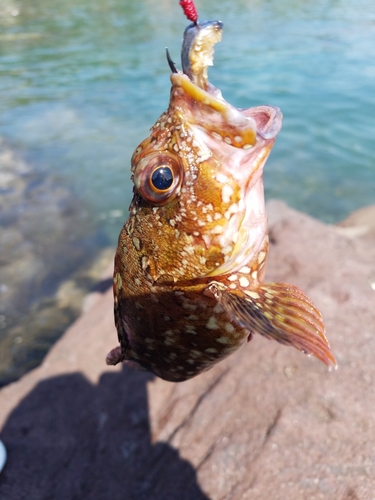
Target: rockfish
(189, 267)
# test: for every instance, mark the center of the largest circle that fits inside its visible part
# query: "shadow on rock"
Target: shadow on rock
(71, 440)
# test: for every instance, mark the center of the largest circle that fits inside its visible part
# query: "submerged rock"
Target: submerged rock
(46, 240)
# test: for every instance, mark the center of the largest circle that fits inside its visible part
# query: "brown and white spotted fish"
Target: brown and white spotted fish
(190, 261)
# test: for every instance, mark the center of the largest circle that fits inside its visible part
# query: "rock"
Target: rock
(359, 223)
(268, 422)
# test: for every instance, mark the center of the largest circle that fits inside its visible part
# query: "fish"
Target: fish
(189, 267)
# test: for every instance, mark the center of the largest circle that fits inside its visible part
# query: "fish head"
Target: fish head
(198, 176)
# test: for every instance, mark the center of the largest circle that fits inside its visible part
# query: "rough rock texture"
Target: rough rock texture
(267, 423)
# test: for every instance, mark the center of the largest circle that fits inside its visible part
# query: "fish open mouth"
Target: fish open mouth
(196, 55)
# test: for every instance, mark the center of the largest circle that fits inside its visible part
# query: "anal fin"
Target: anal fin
(278, 311)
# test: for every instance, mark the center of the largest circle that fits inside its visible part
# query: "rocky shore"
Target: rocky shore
(268, 422)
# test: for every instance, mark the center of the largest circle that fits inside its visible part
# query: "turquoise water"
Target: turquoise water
(82, 81)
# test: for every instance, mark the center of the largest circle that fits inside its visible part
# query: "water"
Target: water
(82, 81)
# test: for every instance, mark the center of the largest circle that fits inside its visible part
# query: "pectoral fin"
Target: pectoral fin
(277, 311)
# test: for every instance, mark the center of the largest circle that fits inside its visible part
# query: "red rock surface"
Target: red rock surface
(267, 423)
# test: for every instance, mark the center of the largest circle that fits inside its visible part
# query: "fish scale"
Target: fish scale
(190, 262)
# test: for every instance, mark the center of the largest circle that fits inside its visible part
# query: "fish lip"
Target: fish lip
(264, 121)
(269, 128)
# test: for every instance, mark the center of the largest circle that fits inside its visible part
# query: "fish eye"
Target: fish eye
(162, 178)
(158, 176)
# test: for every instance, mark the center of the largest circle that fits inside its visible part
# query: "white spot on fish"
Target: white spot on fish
(261, 257)
(229, 327)
(136, 243)
(216, 136)
(226, 193)
(212, 323)
(189, 249)
(190, 329)
(223, 340)
(221, 178)
(195, 354)
(253, 295)
(244, 282)
(188, 306)
(234, 277)
(227, 250)
(245, 270)
(118, 280)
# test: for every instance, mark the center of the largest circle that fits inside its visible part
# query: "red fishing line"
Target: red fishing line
(189, 10)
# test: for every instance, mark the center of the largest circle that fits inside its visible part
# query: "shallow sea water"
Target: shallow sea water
(82, 82)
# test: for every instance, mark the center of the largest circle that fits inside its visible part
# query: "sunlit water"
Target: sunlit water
(82, 81)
